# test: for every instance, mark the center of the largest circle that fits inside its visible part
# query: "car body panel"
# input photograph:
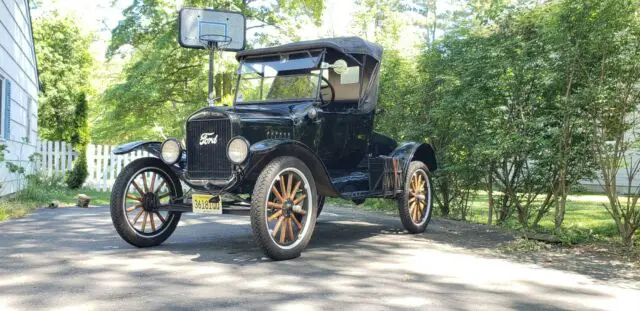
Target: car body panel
(334, 138)
(150, 146)
(410, 151)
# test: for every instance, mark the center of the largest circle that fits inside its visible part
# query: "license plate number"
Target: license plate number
(202, 204)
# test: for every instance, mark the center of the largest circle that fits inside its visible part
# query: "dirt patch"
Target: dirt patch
(606, 261)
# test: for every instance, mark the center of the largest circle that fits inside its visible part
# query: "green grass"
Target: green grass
(586, 219)
(40, 192)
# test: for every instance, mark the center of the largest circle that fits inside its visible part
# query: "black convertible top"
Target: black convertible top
(346, 45)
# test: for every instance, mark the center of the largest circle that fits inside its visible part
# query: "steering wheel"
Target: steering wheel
(323, 103)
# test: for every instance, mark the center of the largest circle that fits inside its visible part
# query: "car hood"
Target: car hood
(259, 122)
(267, 121)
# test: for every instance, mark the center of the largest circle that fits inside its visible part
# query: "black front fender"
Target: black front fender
(266, 150)
(152, 147)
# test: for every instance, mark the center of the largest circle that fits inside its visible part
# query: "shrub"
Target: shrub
(39, 188)
(76, 177)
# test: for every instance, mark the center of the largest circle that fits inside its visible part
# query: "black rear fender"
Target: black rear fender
(413, 151)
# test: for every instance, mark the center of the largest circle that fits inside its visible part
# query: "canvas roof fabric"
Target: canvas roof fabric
(345, 45)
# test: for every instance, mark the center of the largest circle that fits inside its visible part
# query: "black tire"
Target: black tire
(262, 216)
(119, 195)
(415, 217)
(321, 199)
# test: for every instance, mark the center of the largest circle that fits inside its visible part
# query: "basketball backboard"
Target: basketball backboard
(198, 27)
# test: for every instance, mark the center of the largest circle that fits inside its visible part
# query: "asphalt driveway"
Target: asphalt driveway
(72, 258)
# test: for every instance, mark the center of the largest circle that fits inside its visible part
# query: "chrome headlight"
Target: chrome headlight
(170, 151)
(238, 150)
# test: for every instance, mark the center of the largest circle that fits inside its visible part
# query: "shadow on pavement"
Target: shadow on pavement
(356, 260)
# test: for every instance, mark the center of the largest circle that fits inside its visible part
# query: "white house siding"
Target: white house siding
(18, 66)
(622, 178)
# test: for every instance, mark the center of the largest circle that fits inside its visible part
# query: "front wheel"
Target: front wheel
(140, 188)
(415, 204)
(284, 208)
(321, 199)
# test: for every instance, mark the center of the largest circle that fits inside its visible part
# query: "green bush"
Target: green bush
(80, 138)
(39, 188)
(76, 177)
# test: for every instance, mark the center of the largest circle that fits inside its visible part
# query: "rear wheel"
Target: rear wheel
(415, 204)
(139, 189)
(284, 208)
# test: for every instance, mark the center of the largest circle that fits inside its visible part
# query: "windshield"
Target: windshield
(279, 78)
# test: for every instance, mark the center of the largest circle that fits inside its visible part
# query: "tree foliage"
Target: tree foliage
(64, 64)
(528, 98)
(163, 83)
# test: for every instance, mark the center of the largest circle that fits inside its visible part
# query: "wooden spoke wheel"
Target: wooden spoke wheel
(145, 193)
(415, 204)
(284, 208)
(140, 189)
(287, 207)
(417, 196)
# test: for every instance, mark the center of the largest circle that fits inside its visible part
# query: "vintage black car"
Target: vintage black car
(300, 130)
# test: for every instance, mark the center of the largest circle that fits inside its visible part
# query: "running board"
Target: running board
(355, 195)
(187, 208)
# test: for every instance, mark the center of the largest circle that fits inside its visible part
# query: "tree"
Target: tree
(494, 94)
(380, 21)
(610, 86)
(64, 63)
(76, 177)
(428, 22)
(163, 83)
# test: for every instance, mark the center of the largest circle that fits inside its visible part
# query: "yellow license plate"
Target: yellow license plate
(202, 204)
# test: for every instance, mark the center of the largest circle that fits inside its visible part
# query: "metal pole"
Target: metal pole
(212, 48)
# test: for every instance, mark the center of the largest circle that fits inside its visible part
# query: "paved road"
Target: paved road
(72, 259)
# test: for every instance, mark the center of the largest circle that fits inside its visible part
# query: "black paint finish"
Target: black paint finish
(336, 141)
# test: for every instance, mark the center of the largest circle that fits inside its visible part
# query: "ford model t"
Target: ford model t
(300, 129)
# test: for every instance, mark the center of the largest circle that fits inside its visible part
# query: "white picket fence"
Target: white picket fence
(102, 164)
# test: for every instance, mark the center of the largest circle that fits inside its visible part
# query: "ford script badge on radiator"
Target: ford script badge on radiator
(208, 139)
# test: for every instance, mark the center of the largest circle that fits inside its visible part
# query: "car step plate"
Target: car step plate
(202, 204)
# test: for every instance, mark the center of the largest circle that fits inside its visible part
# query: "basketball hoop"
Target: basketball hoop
(220, 41)
(212, 30)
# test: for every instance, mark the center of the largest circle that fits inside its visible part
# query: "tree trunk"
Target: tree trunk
(560, 209)
(505, 209)
(490, 194)
(628, 237)
(444, 189)
(565, 150)
(544, 209)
